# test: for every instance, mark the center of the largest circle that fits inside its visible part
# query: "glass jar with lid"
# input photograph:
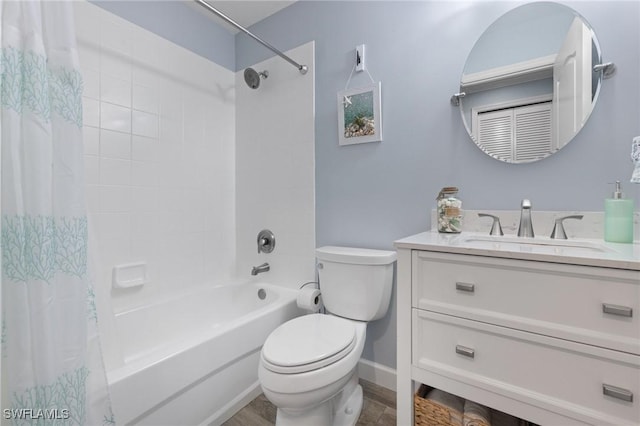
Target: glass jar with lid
(449, 210)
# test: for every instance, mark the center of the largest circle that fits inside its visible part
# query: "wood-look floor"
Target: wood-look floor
(378, 408)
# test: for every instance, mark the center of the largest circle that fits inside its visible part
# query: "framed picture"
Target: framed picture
(359, 115)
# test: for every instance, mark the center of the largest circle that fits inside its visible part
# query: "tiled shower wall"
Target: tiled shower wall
(159, 138)
(275, 177)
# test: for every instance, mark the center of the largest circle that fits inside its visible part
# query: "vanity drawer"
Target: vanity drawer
(594, 385)
(598, 306)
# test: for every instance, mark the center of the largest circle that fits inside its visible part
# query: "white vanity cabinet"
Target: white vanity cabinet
(541, 335)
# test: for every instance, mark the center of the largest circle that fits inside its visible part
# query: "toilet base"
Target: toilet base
(341, 410)
(347, 414)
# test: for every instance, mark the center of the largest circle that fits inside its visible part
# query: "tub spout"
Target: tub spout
(259, 269)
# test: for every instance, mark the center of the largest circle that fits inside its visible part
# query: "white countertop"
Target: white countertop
(577, 251)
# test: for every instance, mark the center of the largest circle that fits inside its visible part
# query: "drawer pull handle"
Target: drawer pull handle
(623, 311)
(463, 350)
(465, 287)
(616, 392)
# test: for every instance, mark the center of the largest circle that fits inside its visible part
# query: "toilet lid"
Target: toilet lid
(307, 343)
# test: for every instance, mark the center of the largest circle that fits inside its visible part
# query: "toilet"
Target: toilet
(308, 365)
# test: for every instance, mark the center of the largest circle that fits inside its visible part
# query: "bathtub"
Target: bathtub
(194, 360)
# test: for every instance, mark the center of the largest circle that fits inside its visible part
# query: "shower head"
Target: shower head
(252, 77)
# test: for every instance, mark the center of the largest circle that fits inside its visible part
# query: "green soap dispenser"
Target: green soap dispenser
(618, 218)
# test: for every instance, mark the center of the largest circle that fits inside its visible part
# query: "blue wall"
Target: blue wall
(179, 23)
(372, 194)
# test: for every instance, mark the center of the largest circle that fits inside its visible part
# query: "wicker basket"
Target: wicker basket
(430, 413)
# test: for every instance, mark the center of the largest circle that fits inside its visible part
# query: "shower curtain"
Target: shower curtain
(52, 369)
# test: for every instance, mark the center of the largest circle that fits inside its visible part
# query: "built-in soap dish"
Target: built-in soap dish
(130, 275)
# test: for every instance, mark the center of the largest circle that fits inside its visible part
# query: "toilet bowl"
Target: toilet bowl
(308, 370)
(308, 365)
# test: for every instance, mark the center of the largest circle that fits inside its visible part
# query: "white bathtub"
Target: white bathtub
(192, 360)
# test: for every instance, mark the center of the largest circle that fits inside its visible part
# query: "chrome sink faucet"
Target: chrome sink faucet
(526, 227)
(260, 269)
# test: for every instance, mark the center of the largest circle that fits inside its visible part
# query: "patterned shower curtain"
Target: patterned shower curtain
(52, 369)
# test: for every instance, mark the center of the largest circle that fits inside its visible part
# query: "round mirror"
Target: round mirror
(529, 84)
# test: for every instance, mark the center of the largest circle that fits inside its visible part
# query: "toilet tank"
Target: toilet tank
(355, 283)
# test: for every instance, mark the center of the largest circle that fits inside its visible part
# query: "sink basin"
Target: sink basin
(519, 243)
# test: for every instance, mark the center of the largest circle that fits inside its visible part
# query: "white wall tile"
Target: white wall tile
(144, 199)
(193, 132)
(145, 75)
(144, 225)
(90, 112)
(112, 252)
(194, 220)
(148, 49)
(144, 149)
(92, 199)
(194, 119)
(116, 66)
(115, 144)
(170, 223)
(115, 90)
(171, 175)
(170, 130)
(211, 200)
(115, 172)
(115, 225)
(272, 191)
(146, 183)
(91, 81)
(145, 124)
(86, 20)
(91, 170)
(193, 175)
(179, 62)
(89, 57)
(171, 105)
(115, 117)
(115, 35)
(91, 140)
(194, 198)
(115, 199)
(172, 200)
(144, 174)
(169, 155)
(146, 249)
(145, 99)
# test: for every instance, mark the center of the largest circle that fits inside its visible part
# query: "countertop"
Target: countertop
(577, 251)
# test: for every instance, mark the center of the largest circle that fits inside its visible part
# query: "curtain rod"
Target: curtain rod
(302, 68)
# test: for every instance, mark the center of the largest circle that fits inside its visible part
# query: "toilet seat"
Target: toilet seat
(308, 343)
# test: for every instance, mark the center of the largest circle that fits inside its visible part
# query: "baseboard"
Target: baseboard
(226, 412)
(378, 374)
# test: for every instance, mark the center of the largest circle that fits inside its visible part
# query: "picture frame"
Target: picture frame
(360, 115)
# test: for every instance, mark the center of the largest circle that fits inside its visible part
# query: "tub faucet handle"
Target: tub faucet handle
(496, 228)
(558, 227)
(266, 241)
